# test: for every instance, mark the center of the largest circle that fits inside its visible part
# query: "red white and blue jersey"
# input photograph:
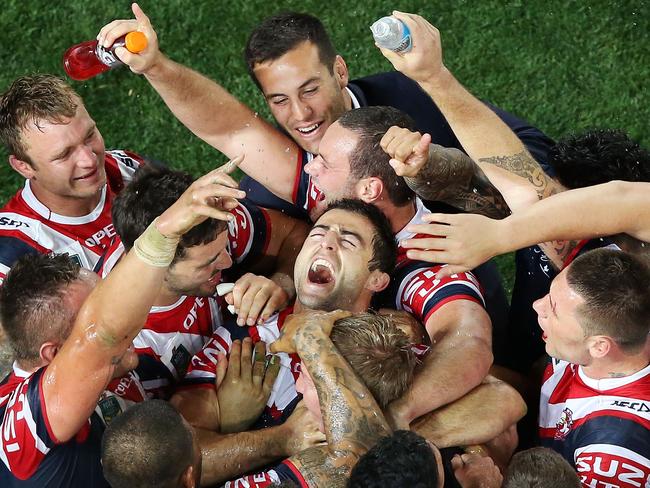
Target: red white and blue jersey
(165, 345)
(414, 287)
(602, 427)
(282, 472)
(202, 370)
(248, 238)
(31, 455)
(29, 227)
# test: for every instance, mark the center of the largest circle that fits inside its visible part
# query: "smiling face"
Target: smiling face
(67, 158)
(558, 317)
(198, 272)
(304, 95)
(331, 270)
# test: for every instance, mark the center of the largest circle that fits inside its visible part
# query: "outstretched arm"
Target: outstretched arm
(209, 111)
(555, 223)
(110, 318)
(485, 137)
(352, 419)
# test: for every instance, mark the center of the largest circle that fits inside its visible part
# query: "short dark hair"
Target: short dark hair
(32, 309)
(277, 35)
(378, 352)
(369, 159)
(33, 99)
(384, 247)
(401, 459)
(615, 287)
(147, 445)
(152, 191)
(540, 467)
(599, 156)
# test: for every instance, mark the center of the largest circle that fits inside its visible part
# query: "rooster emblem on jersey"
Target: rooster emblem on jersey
(563, 426)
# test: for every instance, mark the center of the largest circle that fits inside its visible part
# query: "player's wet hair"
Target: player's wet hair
(277, 35)
(368, 158)
(152, 191)
(378, 352)
(384, 247)
(614, 285)
(540, 467)
(401, 459)
(147, 445)
(32, 306)
(599, 156)
(32, 100)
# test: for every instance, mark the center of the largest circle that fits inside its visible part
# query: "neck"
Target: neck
(347, 100)
(30, 366)
(616, 367)
(166, 297)
(361, 304)
(399, 217)
(65, 205)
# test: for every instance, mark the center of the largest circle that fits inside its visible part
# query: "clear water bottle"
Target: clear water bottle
(391, 33)
(88, 59)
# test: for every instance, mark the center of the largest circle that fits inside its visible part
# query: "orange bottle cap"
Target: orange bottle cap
(135, 41)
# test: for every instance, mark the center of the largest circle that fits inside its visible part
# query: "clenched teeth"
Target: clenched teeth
(322, 262)
(307, 130)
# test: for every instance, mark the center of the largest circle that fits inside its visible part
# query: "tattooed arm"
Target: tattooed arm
(444, 174)
(352, 420)
(483, 135)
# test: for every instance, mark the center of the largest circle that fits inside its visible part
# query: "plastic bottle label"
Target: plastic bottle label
(107, 56)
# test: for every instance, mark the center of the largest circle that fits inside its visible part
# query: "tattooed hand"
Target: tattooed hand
(300, 323)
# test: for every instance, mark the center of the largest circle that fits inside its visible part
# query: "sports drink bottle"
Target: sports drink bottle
(88, 59)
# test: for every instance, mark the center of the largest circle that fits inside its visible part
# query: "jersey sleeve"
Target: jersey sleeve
(12, 248)
(417, 290)
(285, 471)
(120, 167)
(249, 233)
(27, 436)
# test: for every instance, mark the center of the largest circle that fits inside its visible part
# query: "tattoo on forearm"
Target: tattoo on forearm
(452, 177)
(353, 421)
(524, 165)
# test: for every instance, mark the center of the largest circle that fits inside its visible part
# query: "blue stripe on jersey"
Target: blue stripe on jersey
(34, 400)
(12, 248)
(616, 431)
(449, 291)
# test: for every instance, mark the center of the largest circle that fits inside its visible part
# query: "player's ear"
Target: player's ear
(377, 281)
(370, 189)
(599, 346)
(341, 72)
(47, 351)
(187, 478)
(24, 168)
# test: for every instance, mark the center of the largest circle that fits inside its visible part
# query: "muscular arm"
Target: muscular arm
(458, 361)
(556, 223)
(109, 318)
(483, 135)
(449, 175)
(353, 421)
(210, 112)
(476, 418)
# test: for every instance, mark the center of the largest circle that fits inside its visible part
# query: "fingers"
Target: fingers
(259, 363)
(222, 368)
(115, 29)
(272, 371)
(246, 368)
(256, 298)
(399, 143)
(231, 165)
(234, 363)
(428, 256)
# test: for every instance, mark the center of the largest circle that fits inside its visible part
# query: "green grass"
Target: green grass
(563, 65)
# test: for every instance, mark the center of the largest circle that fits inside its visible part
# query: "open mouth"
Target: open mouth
(216, 279)
(321, 272)
(310, 129)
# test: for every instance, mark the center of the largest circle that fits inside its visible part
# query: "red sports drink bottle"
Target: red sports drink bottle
(88, 59)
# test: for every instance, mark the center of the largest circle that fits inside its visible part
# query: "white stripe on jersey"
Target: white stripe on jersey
(613, 450)
(43, 211)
